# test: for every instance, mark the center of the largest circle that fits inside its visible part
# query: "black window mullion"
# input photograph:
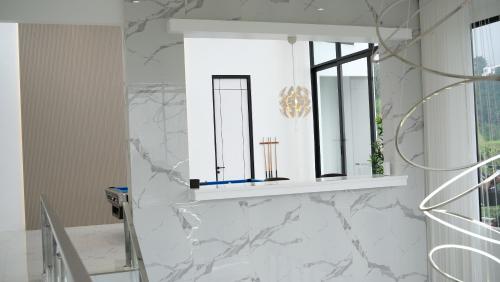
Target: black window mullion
(341, 112)
(344, 59)
(485, 22)
(311, 53)
(371, 99)
(315, 113)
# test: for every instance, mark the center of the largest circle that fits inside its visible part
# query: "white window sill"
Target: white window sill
(276, 188)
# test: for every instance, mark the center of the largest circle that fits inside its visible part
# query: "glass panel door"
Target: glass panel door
(356, 106)
(330, 121)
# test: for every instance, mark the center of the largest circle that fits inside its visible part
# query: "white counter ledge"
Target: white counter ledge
(289, 187)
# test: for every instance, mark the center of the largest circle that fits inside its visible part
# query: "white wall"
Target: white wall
(100, 12)
(269, 64)
(484, 9)
(11, 168)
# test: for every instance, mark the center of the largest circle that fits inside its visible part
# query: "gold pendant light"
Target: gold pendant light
(295, 101)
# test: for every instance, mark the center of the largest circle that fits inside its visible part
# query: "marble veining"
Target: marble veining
(164, 10)
(159, 49)
(343, 236)
(337, 268)
(372, 265)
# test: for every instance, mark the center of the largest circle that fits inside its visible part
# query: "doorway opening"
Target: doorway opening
(233, 134)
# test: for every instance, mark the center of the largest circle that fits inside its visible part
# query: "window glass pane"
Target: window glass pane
(349, 48)
(486, 61)
(376, 159)
(323, 51)
(376, 88)
(355, 96)
(329, 121)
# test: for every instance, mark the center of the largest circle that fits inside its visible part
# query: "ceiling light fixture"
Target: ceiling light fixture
(294, 100)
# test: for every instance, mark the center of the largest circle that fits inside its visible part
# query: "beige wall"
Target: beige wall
(73, 120)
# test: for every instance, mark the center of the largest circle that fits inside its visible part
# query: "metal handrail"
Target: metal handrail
(60, 258)
(134, 255)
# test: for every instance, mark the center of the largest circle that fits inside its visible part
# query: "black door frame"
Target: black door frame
(250, 122)
(338, 62)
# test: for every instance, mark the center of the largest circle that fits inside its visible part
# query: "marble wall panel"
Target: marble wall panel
(366, 235)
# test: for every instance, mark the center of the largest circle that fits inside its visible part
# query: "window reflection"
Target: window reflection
(329, 122)
(486, 61)
(357, 122)
(349, 48)
(323, 52)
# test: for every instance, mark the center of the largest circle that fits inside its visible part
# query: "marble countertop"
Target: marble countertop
(289, 187)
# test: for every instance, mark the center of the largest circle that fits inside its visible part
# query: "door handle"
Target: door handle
(217, 169)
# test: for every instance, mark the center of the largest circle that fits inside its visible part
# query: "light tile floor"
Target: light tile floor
(101, 248)
(132, 276)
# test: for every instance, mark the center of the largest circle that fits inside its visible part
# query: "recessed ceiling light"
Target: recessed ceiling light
(320, 9)
(136, 1)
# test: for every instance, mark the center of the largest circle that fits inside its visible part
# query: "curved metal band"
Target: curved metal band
(459, 247)
(472, 188)
(460, 229)
(422, 34)
(431, 211)
(414, 108)
(454, 179)
(392, 53)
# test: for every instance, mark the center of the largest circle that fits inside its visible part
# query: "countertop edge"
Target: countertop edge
(280, 189)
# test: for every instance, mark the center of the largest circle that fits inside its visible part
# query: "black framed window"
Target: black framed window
(343, 107)
(486, 61)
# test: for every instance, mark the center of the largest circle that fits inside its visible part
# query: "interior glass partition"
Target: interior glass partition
(343, 108)
(355, 89)
(329, 120)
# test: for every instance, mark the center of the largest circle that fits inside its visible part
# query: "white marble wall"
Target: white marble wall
(339, 236)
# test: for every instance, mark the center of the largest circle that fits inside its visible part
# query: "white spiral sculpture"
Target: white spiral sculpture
(434, 212)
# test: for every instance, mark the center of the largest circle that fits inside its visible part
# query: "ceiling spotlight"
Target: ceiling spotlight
(136, 1)
(320, 9)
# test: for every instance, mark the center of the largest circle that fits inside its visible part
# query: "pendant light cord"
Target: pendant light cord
(292, 40)
(293, 65)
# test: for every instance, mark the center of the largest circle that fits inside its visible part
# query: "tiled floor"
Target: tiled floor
(132, 276)
(101, 248)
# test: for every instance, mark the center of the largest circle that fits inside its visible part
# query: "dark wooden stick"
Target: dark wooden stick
(265, 157)
(275, 157)
(270, 158)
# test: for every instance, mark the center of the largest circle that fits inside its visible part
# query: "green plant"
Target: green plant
(377, 156)
(491, 211)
